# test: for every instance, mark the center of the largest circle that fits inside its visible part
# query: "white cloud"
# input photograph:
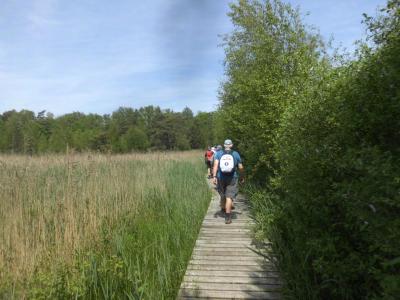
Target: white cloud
(94, 56)
(41, 16)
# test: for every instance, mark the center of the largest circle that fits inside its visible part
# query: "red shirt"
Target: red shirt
(209, 154)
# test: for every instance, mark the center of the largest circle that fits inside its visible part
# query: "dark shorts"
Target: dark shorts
(208, 163)
(228, 187)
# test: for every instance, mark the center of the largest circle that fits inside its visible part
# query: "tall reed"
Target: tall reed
(98, 226)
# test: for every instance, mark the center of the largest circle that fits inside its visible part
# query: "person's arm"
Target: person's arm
(215, 170)
(241, 172)
(240, 168)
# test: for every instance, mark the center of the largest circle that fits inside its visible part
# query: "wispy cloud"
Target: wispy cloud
(94, 56)
(338, 19)
(41, 16)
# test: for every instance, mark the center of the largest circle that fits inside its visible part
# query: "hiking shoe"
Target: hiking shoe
(228, 220)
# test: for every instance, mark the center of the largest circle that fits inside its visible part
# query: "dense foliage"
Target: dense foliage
(270, 60)
(125, 130)
(321, 138)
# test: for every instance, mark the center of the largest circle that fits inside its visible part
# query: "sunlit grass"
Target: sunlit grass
(98, 226)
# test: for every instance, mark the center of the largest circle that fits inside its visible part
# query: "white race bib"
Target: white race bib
(227, 163)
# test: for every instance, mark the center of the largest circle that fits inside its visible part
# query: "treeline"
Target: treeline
(320, 135)
(125, 130)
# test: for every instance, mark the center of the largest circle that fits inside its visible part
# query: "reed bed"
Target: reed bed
(92, 226)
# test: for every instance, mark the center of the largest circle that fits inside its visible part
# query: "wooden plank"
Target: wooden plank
(239, 242)
(220, 230)
(208, 239)
(233, 255)
(220, 246)
(232, 259)
(229, 253)
(212, 267)
(223, 252)
(224, 247)
(240, 214)
(222, 221)
(224, 263)
(231, 286)
(214, 214)
(226, 232)
(215, 294)
(244, 216)
(218, 240)
(227, 279)
(225, 226)
(221, 239)
(251, 274)
(216, 247)
(226, 235)
(237, 212)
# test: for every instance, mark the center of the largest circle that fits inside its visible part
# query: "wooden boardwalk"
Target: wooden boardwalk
(226, 263)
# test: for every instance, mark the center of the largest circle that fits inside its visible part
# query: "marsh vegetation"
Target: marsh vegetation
(98, 226)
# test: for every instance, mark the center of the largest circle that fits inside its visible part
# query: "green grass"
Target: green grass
(98, 227)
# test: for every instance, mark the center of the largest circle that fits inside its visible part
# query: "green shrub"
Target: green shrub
(329, 144)
(338, 182)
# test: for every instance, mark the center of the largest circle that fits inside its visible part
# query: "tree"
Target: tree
(202, 133)
(270, 59)
(134, 139)
(125, 130)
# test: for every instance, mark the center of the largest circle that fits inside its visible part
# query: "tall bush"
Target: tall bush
(271, 58)
(324, 142)
(339, 176)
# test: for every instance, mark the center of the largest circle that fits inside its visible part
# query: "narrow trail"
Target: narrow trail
(225, 262)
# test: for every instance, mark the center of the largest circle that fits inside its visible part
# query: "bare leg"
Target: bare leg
(228, 207)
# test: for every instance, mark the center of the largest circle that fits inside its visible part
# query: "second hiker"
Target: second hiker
(208, 159)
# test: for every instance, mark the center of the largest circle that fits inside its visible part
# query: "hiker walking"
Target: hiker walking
(208, 159)
(227, 163)
(218, 148)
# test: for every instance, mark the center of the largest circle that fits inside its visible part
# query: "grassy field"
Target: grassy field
(94, 226)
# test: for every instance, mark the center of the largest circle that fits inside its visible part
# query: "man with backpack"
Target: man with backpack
(227, 163)
(208, 159)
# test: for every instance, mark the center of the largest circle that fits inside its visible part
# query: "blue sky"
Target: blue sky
(94, 56)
